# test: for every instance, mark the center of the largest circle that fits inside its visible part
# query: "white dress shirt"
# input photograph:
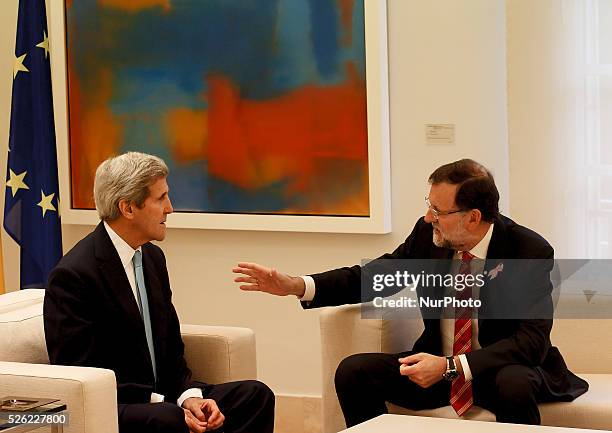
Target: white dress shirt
(447, 326)
(126, 255)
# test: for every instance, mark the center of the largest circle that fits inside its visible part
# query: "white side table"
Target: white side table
(421, 424)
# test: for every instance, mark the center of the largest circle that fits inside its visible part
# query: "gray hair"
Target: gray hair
(125, 177)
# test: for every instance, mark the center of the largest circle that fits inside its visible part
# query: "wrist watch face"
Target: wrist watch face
(451, 369)
(451, 375)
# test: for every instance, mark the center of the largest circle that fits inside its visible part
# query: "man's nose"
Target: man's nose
(169, 209)
(429, 216)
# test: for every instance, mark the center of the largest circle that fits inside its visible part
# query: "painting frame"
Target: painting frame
(379, 219)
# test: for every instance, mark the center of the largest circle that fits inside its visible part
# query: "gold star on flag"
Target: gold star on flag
(44, 44)
(45, 202)
(18, 65)
(16, 181)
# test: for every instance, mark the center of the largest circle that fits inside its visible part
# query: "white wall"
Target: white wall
(547, 193)
(447, 61)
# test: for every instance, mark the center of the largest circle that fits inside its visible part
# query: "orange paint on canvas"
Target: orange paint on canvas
(346, 18)
(134, 6)
(95, 134)
(357, 204)
(187, 132)
(292, 131)
(76, 146)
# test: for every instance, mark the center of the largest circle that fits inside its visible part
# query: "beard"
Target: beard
(452, 241)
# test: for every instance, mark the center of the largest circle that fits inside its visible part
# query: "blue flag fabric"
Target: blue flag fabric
(31, 215)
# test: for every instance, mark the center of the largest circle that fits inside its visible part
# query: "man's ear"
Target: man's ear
(475, 218)
(126, 209)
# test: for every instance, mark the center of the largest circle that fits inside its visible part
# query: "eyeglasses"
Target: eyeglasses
(436, 213)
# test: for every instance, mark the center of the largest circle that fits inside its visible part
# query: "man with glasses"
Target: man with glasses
(506, 366)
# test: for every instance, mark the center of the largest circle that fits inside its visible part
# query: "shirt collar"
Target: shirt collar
(480, 250)
(125, 251)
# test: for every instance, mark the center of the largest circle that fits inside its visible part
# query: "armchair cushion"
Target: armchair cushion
(343, 333)
(218, 354)
(22, 335)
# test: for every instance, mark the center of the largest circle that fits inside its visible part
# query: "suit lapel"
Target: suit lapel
(499, 244)
(115, 277)
(496, 254)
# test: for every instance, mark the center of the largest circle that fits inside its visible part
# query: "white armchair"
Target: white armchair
(583, 343)
(343, 333)
(214, 353)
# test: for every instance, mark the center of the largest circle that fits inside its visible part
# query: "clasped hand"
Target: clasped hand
(202, 415)
(423, 369)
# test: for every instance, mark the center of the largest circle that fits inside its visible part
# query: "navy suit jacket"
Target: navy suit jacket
(92, 319)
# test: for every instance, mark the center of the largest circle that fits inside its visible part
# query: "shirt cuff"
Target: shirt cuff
(191, 392)
(309, 292)
(467, 373)
(157, 398)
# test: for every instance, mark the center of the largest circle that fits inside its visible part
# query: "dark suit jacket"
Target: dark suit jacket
(520, 340)
(92, 319)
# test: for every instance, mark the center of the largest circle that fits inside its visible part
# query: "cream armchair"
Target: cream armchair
(214, 353)
(584, 344)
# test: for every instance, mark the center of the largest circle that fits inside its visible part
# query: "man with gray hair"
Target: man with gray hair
(109, 305)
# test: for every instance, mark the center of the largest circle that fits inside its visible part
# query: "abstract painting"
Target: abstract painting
(257, 106)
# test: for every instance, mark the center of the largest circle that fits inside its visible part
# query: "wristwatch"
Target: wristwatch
(451, 372)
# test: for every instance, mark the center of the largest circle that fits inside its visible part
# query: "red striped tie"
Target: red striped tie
(461, 398)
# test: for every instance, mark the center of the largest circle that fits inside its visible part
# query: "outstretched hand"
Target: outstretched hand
(260, 278)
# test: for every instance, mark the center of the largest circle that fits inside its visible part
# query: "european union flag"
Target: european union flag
(31, 209)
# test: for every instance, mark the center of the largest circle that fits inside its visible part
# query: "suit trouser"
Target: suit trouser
(364, 382)
(248, 406)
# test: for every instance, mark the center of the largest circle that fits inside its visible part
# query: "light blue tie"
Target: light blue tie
(143, 304)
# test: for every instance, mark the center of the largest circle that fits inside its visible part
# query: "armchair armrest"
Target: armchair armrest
(89, 393)
(218, 354)
(344, 332)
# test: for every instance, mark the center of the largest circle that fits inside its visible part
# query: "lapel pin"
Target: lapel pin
(495, 271)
